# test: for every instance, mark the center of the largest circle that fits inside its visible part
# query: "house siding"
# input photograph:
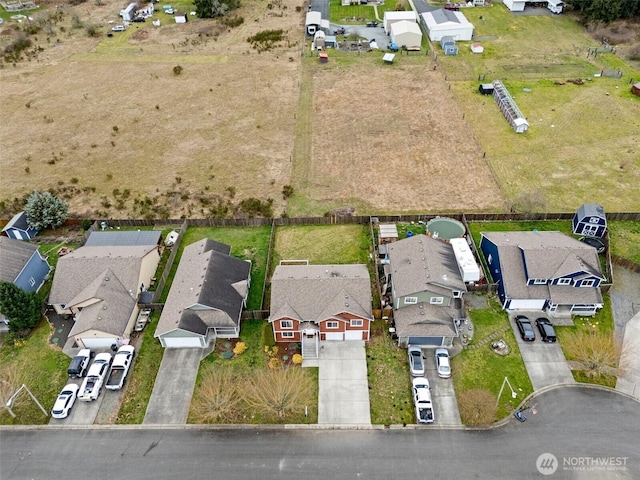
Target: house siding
(490, 250)
(277, 330)
(37, 269)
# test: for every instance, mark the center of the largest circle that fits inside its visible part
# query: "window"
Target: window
(32, 281)
(594, 220)
(286, 323)
(489, 259)
(287, 334)
(436, 300)
(539, 281)
(332, 324)
(564, 281)
(356, 322)
(410, 300)
(587, 283)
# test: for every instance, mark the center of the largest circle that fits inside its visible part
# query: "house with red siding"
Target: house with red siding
(314, 303)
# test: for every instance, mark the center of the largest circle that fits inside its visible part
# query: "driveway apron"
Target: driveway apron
(545, 362)
(443, 396)
(343, 396)
(173, 389)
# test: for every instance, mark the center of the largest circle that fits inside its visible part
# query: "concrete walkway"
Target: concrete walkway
(343, 396)
(173, 389)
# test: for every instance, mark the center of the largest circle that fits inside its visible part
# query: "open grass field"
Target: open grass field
(107, 124)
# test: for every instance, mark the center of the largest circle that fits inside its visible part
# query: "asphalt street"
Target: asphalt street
(583, 433)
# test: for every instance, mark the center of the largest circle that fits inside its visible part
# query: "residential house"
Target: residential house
(22, 265)
(99, 284)
(427, 291)
(313, 303)
(18, 228)
(590, 221)
(208, 293)
(544, 271)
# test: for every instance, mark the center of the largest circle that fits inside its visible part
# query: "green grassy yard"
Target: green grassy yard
(625, 239)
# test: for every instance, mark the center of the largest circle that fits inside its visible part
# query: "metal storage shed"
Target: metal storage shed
(406, 33)
(441, 23)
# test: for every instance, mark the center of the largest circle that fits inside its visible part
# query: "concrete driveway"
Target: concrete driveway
(343, 396)
(545, 362)
(443, 395)
(172, 391)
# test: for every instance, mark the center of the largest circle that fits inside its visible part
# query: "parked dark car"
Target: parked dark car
(139, 19)
(340, 31)
(594, 242)
(525, 328)
(547, 333)
(372, 24)
(452, 6)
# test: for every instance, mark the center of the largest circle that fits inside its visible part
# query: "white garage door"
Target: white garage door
(526, 304)
(339, 336)
(182, 342)
(353, 335)
(100, 342)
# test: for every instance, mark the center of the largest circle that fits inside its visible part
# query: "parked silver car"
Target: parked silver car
(416, 363)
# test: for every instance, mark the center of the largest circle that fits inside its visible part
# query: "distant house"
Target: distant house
(544, 271)
(312, 303)
(447, 23)
(22, 265)
(18, 228)
(99, 284)
(590, 221)
(427, 291)
(390, 17)
(208, 293)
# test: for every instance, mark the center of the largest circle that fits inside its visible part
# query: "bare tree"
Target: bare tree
(477, 407)
(11, 377)
(280, 391)
(218, 398)
(595, 353)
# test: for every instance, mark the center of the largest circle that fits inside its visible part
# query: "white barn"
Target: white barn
(514, 5)
(406, 34)
(447, 23)
(393, 17)
(129, 13)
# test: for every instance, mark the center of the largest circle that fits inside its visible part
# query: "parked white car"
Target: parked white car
(443, 366)
(90, 389)
(118, 28)
(65, 401)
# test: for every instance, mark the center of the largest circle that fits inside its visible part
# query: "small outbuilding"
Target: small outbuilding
(590, 221)
(18, 228)
(515, 5)
(181, 17)
(635, 89)
(555, 6)
(388, 58)
(477, 48)
(406, 33)
(486, 88)
(323, 58)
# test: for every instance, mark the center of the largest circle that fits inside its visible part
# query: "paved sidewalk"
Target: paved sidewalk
(173, 389)
(343, 396)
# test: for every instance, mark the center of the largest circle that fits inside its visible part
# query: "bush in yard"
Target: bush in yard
(597, 354)
(275, 363)
(297, 359)
(177, 70)
(21, 308)
(477, 407)
(45, 210)
(218, 398)
(280, 391)
(240, 348)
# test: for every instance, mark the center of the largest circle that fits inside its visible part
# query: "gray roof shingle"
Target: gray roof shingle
(14, 255)
(124, 238)
(318, 292)
(211, 280)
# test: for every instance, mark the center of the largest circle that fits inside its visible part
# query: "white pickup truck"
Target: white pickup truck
(422, 400)
(120, 367)
(90, 388)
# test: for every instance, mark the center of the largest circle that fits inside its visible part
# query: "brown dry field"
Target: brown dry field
(229, 121)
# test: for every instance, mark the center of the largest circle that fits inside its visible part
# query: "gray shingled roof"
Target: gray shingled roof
(547, 255)
(210, 278)
(111, 309)
(422, 263)
(443, 16)
(318, 292)
(591, 210)
(425, 320)
(19, 221)
(123, 238)
(81, 267)
(14, 255)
